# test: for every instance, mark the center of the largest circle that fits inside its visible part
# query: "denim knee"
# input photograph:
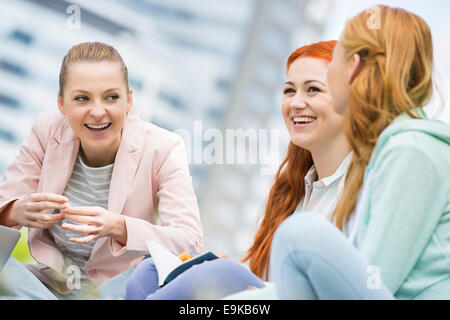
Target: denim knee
(144, 267)
(304, 231)
(228, 270)
(143, 280)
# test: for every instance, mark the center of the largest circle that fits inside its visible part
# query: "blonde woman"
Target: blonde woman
(88, 182)
(398, 182)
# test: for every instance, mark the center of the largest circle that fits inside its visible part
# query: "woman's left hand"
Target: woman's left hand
(97, 223)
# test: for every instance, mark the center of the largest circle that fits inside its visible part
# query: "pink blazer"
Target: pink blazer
(150, 186)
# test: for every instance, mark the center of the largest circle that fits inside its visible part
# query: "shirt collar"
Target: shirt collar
(311, 175)
(341, 170)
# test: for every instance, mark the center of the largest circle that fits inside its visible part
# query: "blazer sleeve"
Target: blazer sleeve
(403, 211)
(180, 227)
(23, 175)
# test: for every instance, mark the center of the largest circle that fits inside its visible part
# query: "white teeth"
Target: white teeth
(93, 126)
(304, 119)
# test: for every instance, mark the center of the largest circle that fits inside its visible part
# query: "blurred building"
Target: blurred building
(234, 196)
(179, 69)
(217, 64)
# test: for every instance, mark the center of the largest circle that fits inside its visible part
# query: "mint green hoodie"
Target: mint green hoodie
(404, 208)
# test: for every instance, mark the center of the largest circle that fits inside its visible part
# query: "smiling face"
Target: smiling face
(95, 102)
(307, 107)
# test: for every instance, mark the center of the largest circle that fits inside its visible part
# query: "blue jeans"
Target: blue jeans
(266, 293)
(209, 280)
(17, 282)
(312, 259)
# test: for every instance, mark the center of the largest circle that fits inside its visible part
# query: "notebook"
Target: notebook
(169, 266)
(8, 240)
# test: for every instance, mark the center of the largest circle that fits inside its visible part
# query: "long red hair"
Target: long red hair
(288, 188)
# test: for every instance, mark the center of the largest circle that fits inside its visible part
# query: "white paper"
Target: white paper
(165, 261)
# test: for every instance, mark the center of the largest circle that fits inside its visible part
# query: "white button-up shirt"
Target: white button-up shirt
(321, 196)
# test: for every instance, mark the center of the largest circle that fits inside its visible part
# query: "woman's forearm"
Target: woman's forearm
(6, 216)
(119, 232)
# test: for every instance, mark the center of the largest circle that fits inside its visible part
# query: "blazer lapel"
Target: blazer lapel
(60, 166)
(124, 171)
(61, 154)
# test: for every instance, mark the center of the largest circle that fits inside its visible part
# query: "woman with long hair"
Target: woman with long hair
(398, 183)
(311, 177)
(90, 182)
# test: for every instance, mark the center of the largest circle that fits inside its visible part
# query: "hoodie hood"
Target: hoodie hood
(435, 128)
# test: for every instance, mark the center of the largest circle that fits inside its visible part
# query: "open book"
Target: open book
(168, 265)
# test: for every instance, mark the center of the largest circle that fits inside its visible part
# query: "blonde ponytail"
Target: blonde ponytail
(395, 77)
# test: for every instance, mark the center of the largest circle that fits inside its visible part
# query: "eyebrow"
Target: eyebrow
(106, 91)
(306, 82)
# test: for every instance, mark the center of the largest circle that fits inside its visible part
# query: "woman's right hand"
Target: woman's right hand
(29, 211)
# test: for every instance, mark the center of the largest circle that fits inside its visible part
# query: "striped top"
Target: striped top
(87, 186)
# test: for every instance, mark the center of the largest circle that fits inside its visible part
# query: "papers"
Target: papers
(168, 265)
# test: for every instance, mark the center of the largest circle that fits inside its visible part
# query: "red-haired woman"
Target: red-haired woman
(397, 186)
(310, 178)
